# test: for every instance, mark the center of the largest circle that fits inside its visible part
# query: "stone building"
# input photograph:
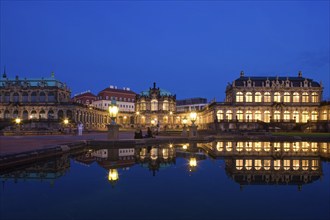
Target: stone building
(85, 98)
(44, 103)
(277, 102)
(155, 106)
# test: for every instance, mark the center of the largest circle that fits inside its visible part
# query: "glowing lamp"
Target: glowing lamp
(17, 120)
(113, 111)
(193, 116)
(113, 175)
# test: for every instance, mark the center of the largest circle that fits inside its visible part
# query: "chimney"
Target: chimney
(300, 74)
(154, 85)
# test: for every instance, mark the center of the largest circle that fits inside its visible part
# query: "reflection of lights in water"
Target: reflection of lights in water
(113, 175)
(184, 147)
(193, 162)
(171, 145)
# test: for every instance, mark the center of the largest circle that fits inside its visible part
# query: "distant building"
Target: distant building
(155, 106)
(187, 105)
(86, 98)
(124, 98)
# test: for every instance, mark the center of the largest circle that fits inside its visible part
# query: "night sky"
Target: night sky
(189, 48)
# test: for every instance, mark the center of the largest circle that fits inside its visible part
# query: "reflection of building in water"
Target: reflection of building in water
(293, 163)
(115, 157)
(45, 171)
(156, 157)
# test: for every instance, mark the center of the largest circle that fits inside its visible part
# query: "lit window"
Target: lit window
(229, 115)
(154, 105)
(257, 97)
(220, 115)
(267, 97)
(314, 116)
(305, 97)
(266, 116)
(277, 97)
(277, 164)
(257, 164)
(266, 164)
(296, 97)
(248, 97)
(257, 115)
(239, 115)
(248, 115)
(295, 164)
(305, 116)
(296, 116)
(315, 97)
(304, 164)
(239, 146)
(277, 115)
(239, 164)
(248, 164)
(165, 105)
(286, 164)
(286, 97)
(239, 97)
(286, 115)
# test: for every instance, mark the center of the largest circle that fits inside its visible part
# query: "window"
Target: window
(220, 115)
(257, 115)
(248, 164)
(248, 115)
(267, 97)
(229, 115)
(295, 164)
(314, 116)
(266, 116)
(286, 97)
(277, 115)
(296, 97)
(277, 164)
(305, 116)
(286, 115)
(239, 164)
(257, 164)
(257, 97)
(296, 116)
(277, 97)
(154, 105)
(165, 105)
(248, 97)
(143, 105)
(286, 164)
(305, 97)
(239, 97)
(315, 97)
(239, 115)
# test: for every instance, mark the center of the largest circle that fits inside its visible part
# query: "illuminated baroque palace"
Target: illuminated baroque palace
(251, 103)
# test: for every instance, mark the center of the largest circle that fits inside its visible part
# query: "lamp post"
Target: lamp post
(18, 122)
(113, 128)
(193, 127)
(65, 122)
(184, 130)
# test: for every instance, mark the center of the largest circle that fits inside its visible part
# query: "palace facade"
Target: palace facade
(44, 103)
(155, 106)
(254, 103)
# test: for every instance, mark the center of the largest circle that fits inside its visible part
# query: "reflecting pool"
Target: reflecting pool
(216, 180)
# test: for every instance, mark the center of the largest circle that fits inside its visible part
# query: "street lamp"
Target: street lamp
(184, 121)
(193, 117)
(18, 121)
(66, 121)
(113, 111)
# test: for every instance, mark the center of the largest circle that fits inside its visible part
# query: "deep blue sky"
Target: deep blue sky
(190, 48)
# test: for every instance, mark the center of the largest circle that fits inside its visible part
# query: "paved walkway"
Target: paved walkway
(16, 144)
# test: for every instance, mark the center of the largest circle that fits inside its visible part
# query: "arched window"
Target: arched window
(220, 115)
(69, 114)
(248, 164)
(296, 116)
(33, 97)
(239, 115)
(42, 114)
(248, 116)
(257, 115)
(257, 97)
(305, 116)
(165, 105)
(296, 97)
(60, 115)
(229, 115)
(42, 97)
(16, 97)
(239, 97)
(314, 116)
(277, 97)
(25, 115)
(7, 97)
(324, 115)
(25, 97)
(277, 115)
(286, 115)
(143, 105)
(33, 114)
(154, 105)
(266, 116)
(248, 97)
(239, 164)
(315, 97)
(305, 97)
(15, 114)
(257, 164)
(50, 114)
(6, 114)
(287, 97)
(277, 164)
(267, 97)
(51, 97)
